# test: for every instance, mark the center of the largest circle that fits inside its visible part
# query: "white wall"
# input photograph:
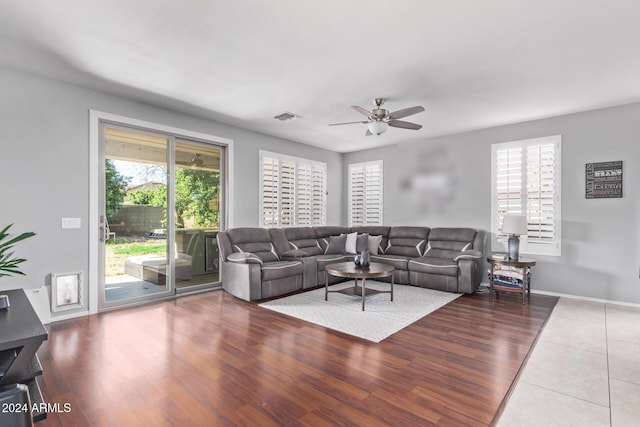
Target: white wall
(600, 248)
(44, 170)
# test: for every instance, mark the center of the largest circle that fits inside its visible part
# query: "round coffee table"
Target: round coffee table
(349, 269)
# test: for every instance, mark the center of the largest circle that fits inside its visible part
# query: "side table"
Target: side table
(510, 275)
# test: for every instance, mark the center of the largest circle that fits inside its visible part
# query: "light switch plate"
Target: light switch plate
(71, 223)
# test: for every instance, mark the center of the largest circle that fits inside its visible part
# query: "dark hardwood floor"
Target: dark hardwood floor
(211, 359)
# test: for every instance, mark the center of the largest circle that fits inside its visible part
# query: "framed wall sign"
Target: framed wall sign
(603, 180)
(66, 291)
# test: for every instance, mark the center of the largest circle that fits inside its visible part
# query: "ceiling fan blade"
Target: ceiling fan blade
(404, 125)
(368, 133)
(406, 112)
(346, 123)
(361, 110)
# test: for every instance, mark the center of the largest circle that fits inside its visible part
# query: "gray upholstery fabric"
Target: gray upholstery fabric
(242, 280)
(254, 240)
(448, 242)
(303, 238)
(336, 244)
(398, 261)
(224, 245)
(375, 245)
(375, 230)
(407, 241)
(244, 257)
(279, 240)
(323, 233)
(289, 265)
(434, 265)
(294, 254)
(362, 243)
(280, 269)
(277, 287)
(438, 282)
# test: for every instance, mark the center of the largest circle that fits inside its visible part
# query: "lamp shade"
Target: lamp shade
(378, 128)
(514, 224)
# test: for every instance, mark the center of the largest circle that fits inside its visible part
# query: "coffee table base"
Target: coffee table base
(357, 290)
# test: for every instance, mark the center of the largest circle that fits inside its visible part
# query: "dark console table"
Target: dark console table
(21, 334)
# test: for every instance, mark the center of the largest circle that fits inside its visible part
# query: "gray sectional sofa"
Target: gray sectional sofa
(260, 263)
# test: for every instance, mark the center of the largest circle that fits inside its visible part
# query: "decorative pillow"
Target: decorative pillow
(362, 243)
(350, 245)
(336, 244)
(374, 244)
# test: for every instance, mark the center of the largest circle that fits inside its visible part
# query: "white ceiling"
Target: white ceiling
(471, 64)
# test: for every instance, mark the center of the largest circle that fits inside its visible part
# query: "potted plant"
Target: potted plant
(9, 264)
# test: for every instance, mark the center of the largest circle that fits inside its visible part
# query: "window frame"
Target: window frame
(533, 247)
(313, 172)
(364, 165)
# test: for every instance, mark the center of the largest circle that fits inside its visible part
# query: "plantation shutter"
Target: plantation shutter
(508, 185)
(526, 181)
(541, 193)
(270, 192)
(292, 191)
(287, 193)
(304, 189)
(318, 195)
(365, 193)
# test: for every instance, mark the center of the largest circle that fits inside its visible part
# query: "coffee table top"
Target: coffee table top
(349, 269)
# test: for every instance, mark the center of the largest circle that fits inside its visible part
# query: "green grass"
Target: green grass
(139, 249)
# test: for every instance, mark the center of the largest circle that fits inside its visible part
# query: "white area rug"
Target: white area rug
(381, 317)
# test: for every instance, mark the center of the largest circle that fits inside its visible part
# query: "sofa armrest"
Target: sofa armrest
(244, 258)
(468, 255)
(242, 280)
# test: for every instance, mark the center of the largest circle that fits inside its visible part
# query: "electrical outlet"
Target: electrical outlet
(71, 223)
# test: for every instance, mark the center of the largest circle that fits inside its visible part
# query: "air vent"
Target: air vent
(287, 116)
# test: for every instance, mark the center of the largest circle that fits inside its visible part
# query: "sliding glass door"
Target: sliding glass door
(197, 213)
(161, 204)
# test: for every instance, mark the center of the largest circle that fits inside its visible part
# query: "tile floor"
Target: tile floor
(584, 370)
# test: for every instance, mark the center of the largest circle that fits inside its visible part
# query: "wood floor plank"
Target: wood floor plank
(211, 359)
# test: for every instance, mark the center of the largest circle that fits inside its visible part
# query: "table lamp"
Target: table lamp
(515, 226)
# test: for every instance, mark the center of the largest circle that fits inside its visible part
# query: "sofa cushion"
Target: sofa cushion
(407, 241)
(336, 244)
(254, 240)
(293, 254)
(280, 269)
(323, 233)
(398, 261)
(324, 260)
(442, 266)
(449, 242)
(303, 238)
(374, 245)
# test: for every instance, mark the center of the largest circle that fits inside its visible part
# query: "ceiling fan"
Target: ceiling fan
(379, 119)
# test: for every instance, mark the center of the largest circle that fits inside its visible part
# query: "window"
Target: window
(292, 191)
(365, 193)
(525, 180)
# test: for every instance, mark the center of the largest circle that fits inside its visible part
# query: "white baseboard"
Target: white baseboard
(579, 297)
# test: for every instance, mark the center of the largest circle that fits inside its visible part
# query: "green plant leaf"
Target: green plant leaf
(9, 265)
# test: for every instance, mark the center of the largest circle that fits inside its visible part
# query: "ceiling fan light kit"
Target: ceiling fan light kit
(379, 119)
(378, 128)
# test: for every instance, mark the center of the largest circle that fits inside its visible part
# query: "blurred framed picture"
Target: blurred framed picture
(66, 291)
